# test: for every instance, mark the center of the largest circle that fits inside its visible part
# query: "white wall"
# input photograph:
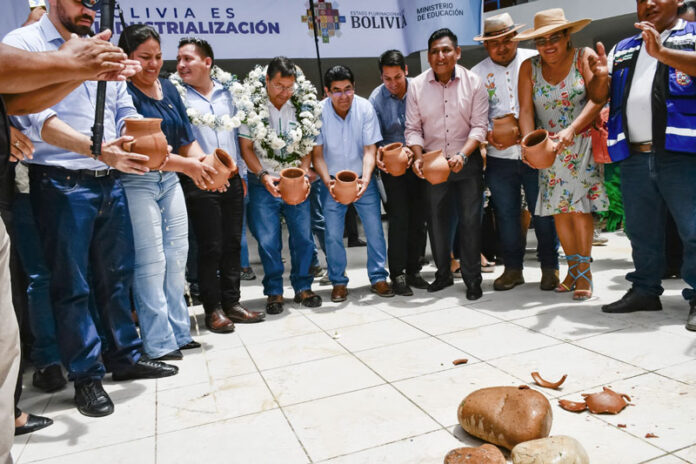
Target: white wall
(573, 9)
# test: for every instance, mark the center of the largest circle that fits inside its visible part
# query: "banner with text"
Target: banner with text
(267, 28)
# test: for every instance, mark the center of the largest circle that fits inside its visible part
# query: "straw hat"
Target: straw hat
(549, 21)
(498, 26)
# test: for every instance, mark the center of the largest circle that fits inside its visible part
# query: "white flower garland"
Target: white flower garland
(287, 148)
(218, 123)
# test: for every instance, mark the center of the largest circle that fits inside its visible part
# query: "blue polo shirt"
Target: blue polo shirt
(391, 112)
(344, 140)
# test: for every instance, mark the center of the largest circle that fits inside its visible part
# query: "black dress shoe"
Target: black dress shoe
(91, 399)
(175, 355)
(417, 281)
(440, 283)
(358, 242)
(400, 287)
(274, 304)
(49, 379)
(145, 369)
(192, 345)
(308, 299)
(691, 320)
(473, 289)
(633, 301)
(33, 424)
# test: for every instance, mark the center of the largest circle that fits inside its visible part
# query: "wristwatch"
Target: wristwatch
(261, 173)
(465, 159)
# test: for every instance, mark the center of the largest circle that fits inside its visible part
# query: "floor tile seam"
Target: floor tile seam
(244, 343)
(333, 395)
(656, 372)
(627, 432)
(401, 318)
(620, 360)
(683, 449)
(487, 361)
(663, 456)
(282, 411)
(323, 461)
(98, 447)
(440, 371)
(271, 369)
(362, 350)
(353, 325)
(566, 340)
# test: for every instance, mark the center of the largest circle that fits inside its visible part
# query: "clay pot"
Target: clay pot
(346, 187)
(148, 139)
(506, 416)
(538, 149)
(436, 169)
(484, 454)
(223, 164)
(506, 130)
(560, 449)
(293, 186)
(395, 159)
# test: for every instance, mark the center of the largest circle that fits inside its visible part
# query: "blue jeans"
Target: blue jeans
(84, 227)
(318, 222)
(244, 253)
(504, 178)
(160, 231)
(44, 350)
(264, 221)
(368, 208)
(651, 184)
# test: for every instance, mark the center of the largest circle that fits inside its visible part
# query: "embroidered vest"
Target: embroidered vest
(673, 98)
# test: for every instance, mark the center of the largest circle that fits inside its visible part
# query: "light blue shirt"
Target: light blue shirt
(220, 103)
(391, 112)
(344, 140)
(76, 109)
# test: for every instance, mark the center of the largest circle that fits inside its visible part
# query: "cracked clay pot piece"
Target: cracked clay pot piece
(506, 416)
(607, 401)
(553, 450)
(484, 454)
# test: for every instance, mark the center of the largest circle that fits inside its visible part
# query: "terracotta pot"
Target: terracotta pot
(436, 169)
(506, 130)
(148, 139)
(346, 187)
(395, 159)
(293, 185)
(223, 164)
(538, 149)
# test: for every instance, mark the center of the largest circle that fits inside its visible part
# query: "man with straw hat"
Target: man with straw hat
(652, 129)
(506, 174)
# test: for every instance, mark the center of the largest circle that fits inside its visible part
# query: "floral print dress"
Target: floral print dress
(574, 183)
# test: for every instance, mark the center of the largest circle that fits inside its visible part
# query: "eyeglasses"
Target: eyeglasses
(91, 4)
(282, 88)
(543, 41)
(346, 92)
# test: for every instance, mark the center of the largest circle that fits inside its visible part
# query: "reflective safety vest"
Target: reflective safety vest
(673, 97)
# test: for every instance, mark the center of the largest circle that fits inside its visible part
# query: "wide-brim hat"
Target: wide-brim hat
(549, 21)
(498, 26)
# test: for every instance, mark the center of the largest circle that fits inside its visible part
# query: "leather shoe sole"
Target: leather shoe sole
(33, 424)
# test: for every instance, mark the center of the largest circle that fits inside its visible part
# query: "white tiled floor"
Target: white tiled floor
(371, 380)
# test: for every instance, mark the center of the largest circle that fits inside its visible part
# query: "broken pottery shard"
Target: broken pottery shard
(606, 402)
(572, 406)
(506, 416)
(484, 454)
(457, 362)
(553, 450)
(545, 383)
(651, 435)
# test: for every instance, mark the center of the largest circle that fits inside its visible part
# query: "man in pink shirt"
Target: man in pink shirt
(447, 109)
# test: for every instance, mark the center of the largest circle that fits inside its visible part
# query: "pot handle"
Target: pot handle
(128, 146)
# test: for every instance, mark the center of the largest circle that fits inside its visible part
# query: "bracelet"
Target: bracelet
(261, 173)
(465, 159)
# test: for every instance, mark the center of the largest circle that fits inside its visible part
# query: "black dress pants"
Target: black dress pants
(407, 208)
(217, 223)
(467, 188)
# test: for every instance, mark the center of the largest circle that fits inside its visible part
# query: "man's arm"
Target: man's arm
(598, 85)
(38, 100)
(369, 154)
(320, 166)
(77, 60)
(682, 60)
(59, 134)
(246, 147)
(524, 91)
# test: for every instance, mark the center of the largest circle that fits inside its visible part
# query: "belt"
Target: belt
(644, 147)
(84, 173)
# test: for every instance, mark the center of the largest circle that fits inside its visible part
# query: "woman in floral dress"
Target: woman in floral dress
(553, 96)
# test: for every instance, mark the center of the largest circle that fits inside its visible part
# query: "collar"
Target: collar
(387, 94)
(216, 87)
(456, 74)
(271, 106)
(49, 30)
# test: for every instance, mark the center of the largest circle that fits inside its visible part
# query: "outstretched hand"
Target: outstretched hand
(599, 64)
(99, 59)
(651, 38)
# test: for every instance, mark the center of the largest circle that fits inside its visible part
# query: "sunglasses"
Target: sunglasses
(554, 39)
(91, 4)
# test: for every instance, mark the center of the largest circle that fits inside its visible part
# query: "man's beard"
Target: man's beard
(68, 23)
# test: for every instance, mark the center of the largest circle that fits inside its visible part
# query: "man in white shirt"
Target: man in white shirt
(506, 174)
(265, 204)
(652, 129)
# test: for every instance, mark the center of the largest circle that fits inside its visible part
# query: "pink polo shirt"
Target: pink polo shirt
(445, 116)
